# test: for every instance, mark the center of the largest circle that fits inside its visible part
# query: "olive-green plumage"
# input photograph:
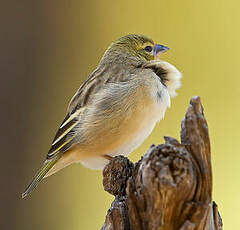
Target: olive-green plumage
(115, 109)
(131, 46)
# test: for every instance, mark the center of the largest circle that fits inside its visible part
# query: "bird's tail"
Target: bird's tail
(47, 165)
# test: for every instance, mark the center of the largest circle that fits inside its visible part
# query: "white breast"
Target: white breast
(161, 100)
(160, 96)
(156, 112)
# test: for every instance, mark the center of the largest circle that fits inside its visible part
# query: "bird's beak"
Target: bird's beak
(159, 49)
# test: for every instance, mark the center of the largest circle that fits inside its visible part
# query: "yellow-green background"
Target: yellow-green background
(47, 50)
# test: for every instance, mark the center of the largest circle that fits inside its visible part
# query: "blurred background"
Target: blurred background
(48, 48)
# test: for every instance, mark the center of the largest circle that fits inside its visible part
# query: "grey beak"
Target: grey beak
(159, 49)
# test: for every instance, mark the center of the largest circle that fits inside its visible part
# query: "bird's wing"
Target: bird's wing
(64, 138)
(65, 135)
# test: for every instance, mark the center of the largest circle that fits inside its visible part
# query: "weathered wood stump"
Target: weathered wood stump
(170, 188)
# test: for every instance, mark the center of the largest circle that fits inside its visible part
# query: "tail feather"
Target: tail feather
(47, 165)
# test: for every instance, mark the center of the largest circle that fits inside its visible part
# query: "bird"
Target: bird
(116, 107)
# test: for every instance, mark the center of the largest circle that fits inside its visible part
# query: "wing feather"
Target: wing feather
(64, 138)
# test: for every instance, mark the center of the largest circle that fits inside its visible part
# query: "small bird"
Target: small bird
(115, 109)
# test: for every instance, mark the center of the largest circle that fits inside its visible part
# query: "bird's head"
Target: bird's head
(135, 46)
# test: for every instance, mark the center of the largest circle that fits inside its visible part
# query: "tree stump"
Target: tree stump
(170, 188)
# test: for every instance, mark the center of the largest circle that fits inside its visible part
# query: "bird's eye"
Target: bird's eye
(148, 49)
